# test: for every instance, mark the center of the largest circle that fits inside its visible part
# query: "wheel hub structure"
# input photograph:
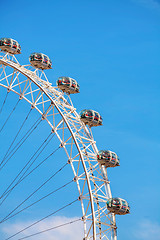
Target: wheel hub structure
(56, 108)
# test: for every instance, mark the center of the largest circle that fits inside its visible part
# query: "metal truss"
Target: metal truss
(75, 138)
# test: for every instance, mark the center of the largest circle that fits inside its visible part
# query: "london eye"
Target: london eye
(48, 111)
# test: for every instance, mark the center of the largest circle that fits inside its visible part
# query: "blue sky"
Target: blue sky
(112, 48)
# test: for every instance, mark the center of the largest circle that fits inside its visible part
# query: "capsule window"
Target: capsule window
(116, 202)
(14, 44)
(124, 203)
(123, 207)
(37, 57)
(82, 113)
(67, 81)
(108, 155)
(103, 155)
(89, 113)
(8, 42)
(45, 59)
(96, 116)
(78, 87)
(31, 57)
(73, 84)
(109, 203)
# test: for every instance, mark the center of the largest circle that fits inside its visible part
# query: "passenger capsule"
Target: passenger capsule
(40, 60)
(68, 85)
(10, 45)
(108, 158)
(91, 117)
(118, 206)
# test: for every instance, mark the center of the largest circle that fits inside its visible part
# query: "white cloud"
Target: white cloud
(148, 230)
(71, 231)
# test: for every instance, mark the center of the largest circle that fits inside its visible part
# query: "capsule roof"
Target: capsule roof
(10, 45)
(68, 85)
(91, 117)
(40, 60)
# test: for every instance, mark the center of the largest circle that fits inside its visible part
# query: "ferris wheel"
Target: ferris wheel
(54, 106)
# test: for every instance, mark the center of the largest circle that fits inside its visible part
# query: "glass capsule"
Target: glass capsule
(10, 45)
(91, 117)
(118, 206)
(40, 60)
(68, 85)
(108, 158)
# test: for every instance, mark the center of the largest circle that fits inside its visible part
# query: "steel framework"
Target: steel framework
(75, 137)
